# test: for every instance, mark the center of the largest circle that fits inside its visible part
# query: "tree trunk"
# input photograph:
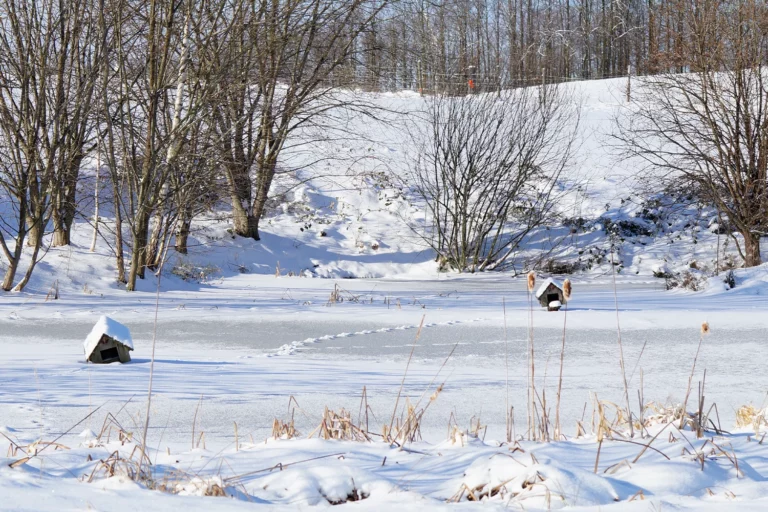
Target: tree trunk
(33, 228)
(15, 257)
(28, 274)
(96, 203)
(61, 231)
(264, 183)
(153, 251)
(245, 223)
(119, 254)
(63, 218)
(156, 250)
(139, 251)
(63, 207)
(183, 226)
(751, 249)
(10, 272)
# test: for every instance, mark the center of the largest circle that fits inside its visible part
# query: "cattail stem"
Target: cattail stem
(560, 379)
(531, 361)
(506, 369)
(151, 369)
(621, 349)
(704, 331)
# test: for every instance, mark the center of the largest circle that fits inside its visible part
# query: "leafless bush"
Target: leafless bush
(188, 271)
(686, 280)
(487, 170)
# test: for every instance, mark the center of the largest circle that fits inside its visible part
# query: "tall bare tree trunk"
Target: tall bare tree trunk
(13, 262)
(139, 249)
(96, 199)
(33, 262)
(119, 253)
(64, 206)
(751, 249)
(153, 247)
(245, 223)
(183, 226)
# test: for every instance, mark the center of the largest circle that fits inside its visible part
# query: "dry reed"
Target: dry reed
(506, 374)
(621, 346)
(704, 331)
(531, 278)
(405, 373)
(751, 416)
(567, 292)
(151, 368)
(339, 426)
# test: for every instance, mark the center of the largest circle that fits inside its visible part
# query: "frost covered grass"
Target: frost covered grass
(343, 462)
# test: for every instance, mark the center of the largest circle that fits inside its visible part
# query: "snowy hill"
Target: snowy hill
(345, 210)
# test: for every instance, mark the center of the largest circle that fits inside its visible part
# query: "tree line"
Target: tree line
(465, 45)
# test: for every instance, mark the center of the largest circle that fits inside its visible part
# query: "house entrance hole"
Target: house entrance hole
(109, 354)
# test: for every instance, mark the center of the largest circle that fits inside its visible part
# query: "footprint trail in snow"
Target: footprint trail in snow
(296, 346)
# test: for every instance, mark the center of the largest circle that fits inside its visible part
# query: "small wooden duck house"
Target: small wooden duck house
(550, 295)
(109, 341)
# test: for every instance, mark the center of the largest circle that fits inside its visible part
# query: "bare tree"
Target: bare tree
(83, 49)
(487, 170)
(281, 57)
(50, 52)
(708, 130)
(153, 99)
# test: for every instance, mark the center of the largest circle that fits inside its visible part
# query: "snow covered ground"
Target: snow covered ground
(239, 346)
(252, 348)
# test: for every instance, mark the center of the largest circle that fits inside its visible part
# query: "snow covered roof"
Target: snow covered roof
(545, 285)
(111, 328)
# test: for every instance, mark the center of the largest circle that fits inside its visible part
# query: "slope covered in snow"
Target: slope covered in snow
(344, 208)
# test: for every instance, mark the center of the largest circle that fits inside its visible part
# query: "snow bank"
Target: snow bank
(333, 482)
(548, 485)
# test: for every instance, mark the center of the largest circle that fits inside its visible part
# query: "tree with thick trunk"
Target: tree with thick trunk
(281, 55)
(708, 129)
(48, 60)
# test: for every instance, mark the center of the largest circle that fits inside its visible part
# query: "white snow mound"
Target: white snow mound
(548, 484)
(332, 482)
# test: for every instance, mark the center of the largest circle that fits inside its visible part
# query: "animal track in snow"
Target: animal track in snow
(295, 346)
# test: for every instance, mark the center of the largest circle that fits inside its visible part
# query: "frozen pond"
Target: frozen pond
(238, 368)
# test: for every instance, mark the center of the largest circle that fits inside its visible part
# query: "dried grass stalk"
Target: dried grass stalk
(281, 430)
(339, 426)
(704, 332)
(749, 415)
